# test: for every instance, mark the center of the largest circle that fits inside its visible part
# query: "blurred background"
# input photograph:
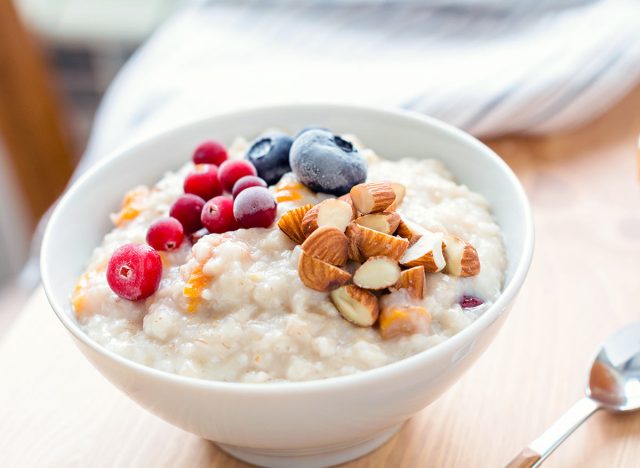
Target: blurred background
(491, 67)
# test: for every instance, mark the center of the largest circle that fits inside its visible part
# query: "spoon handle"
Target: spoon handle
(542, 447)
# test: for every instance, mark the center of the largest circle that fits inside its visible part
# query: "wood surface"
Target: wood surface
(56, 410)
(31, 119)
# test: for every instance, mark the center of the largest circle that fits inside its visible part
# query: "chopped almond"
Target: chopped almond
(331, 212)
(400, 191)
(373, 243)
(386, 222)
(356, 305)
(353, 233)
(291, 223)
(461, 257)
(372, 197)
(347, 198)
(427, 251)
(377, 273)
(328, 244)
(409, 231)
(319, 275)
(413, 281)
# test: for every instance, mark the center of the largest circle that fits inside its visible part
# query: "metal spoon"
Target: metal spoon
(614, 385)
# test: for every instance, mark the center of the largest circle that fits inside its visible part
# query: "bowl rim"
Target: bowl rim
(366, 377)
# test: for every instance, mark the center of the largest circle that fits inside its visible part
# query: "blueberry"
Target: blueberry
(270, 156)
(324, 162)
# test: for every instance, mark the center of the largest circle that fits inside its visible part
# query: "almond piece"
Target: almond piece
(328, 244)
(413, 281)
(319, 275)
(291, 223)
(373, 243)
(427, 251)
(400, 191)
(398, 321)
(331, 212)
(409, 231)
(377, 273)
(353, 233)
(356, 305)
(372, 197)
(347, 198)
(461, 257)
(386, 222)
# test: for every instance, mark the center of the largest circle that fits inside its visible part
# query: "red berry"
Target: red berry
(467, 302)
(230, 171)
(203, 181)
(210, 152)
(134, 271)
(165, 234)
(187, 209)
(255, 207)
(246, 182)
(217, 215)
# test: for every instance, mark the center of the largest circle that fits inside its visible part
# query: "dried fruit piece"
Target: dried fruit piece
(398, 321)
(427, 251)
(400, 191)
(372, 197)
(386, 222)
(460, 256)
(469, 302)
(329, 244)
(409, 231)
(331, 212)
(377, 273)
(356, 305)
(413, 281)
(319, 275)
(373, 243)
(291, 223)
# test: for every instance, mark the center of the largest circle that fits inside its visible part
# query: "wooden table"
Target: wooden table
(56, 410)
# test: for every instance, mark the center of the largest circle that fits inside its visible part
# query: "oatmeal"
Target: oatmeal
(234, 300)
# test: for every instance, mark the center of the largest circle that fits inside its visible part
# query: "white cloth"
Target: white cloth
(489, 67)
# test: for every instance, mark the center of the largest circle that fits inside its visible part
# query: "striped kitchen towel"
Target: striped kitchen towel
(488, 66)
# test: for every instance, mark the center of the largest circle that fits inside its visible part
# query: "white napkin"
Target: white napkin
(489, 67)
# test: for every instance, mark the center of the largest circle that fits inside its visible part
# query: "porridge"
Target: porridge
(322, 260)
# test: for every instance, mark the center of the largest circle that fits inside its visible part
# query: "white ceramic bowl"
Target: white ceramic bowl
(297, 424)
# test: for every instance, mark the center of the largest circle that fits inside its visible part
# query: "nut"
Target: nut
(328, 244)
(400, 191)
(427, 251)
(319, 275)
(353, 233)
(386, 222)
(377, 273)
(409, 231)
(331, 212)
(291, 223)
(372, 197)
(347, 198)
(398, 321)
(373, 243)
(461, 257)
(356, 305)
(413, 281)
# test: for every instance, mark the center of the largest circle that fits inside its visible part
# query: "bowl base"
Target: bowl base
(313, 457)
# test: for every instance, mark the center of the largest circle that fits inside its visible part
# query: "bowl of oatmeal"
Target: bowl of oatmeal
(292, 283)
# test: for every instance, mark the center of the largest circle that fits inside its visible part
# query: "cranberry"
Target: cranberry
(255, 207)
(210, 152)
(246, 182)
(230, 171)
(468, 302)
(187, 209)
(134, 271)
(203, 181)
(165, 234)
(217, 215)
